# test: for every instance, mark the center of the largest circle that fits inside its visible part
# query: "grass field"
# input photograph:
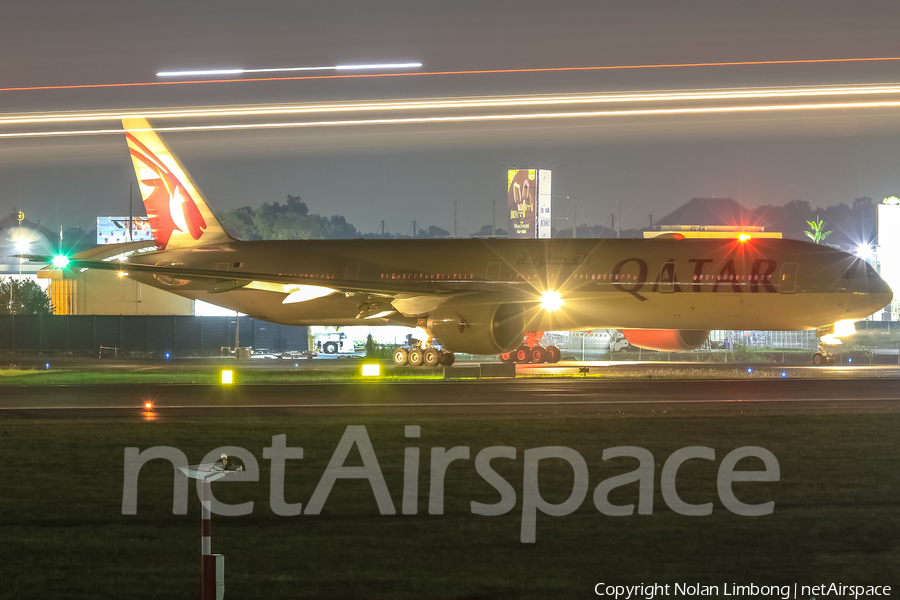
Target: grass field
(63, 534)
(210, 375)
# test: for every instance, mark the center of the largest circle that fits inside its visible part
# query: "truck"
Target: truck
(617, 342)
(333, 342)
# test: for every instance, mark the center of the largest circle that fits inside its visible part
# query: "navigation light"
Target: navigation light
(60, 261)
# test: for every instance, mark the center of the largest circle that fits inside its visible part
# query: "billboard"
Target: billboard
(114, 230)
(528, 202)
(888, 251)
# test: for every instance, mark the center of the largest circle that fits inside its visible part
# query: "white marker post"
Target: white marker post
(212, 566)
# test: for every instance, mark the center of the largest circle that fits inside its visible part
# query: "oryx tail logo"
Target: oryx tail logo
(462, 325)
(169, 206)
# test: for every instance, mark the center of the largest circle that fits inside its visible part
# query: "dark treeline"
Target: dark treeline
(851, 224)
(293, 221)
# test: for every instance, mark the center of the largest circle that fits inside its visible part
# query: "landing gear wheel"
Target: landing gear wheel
(523, 354)
(432, 357)
(447, 358)
(330, 348)
(555, 354)
(416, 357)
(539, 354)
(401, 356)
(508, 357)
(819, 359)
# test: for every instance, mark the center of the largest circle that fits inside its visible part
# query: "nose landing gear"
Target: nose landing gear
(531, 351)
(823, 356)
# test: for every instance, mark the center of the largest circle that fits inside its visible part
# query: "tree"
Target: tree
(488, 231)
(817, 234)
(27, 298)
(434, 231)
(239, 223)
(289, 221)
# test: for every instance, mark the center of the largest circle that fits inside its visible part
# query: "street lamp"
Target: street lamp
(212, 566)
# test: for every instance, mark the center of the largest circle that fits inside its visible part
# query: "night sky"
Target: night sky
(398, 173)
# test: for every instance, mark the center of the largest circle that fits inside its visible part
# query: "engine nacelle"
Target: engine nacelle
(666, 340)
(478, 324)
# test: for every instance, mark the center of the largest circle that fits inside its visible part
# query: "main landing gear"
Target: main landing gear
(531, 351)
(418, 356)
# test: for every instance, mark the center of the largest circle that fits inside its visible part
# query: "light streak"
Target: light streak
(476, 72)
(461, 103)
(482, 118)
(410, 65)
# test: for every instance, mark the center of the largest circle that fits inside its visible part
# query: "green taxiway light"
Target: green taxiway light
(61, 261)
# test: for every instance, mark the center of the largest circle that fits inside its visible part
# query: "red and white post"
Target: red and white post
(208, 564)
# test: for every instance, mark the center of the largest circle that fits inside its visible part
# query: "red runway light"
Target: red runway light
(148, 405)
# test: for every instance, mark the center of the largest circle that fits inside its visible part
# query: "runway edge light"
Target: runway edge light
(371, 370)
(227, 376)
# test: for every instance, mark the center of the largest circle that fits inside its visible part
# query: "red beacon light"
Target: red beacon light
(743, 237)
(148, 405)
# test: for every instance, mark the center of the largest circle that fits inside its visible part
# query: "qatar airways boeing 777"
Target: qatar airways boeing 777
(485, 296)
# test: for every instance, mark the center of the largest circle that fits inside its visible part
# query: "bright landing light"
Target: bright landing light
(841, 329)
(864, 251)
(551, 301)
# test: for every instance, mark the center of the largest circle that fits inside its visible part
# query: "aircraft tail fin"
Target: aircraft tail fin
(178, 214)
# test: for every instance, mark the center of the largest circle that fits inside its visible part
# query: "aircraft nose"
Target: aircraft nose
(879, 293)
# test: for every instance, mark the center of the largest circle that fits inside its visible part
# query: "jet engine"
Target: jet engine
(478, 324)
(666, 340)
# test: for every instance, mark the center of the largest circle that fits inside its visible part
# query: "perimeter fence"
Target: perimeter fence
(151, 335)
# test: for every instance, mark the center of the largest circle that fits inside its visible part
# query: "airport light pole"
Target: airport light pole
(212, 566)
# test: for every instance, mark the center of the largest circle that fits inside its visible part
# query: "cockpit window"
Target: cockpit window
(859, 268)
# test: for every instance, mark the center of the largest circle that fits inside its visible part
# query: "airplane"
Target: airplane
(485, 296)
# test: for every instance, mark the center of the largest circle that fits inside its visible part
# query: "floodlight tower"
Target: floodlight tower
(212, 566)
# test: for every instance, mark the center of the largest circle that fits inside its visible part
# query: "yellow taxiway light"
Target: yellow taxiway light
(227, 376)
(371, 370)
(551, 301)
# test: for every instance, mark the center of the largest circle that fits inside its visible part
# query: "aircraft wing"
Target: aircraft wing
(222, 281)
